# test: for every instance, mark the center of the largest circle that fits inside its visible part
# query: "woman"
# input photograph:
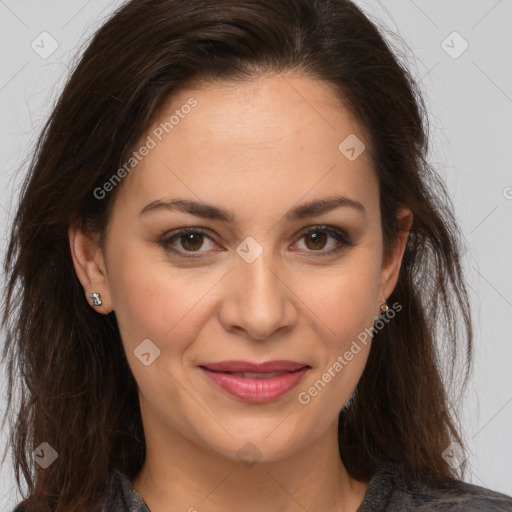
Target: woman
(229, 272)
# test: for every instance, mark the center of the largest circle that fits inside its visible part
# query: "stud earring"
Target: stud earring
(384, 307)
(96, 299)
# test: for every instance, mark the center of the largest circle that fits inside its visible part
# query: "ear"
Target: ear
(390, 268)
(90, 266)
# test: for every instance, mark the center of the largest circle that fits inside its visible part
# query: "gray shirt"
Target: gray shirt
(391, 489)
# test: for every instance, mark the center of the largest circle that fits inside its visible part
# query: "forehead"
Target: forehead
(266, 112)
(274, 135)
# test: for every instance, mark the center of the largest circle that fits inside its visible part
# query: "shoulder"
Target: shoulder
(122, 496)
(23, 507)
(119, 496)
(393, 489)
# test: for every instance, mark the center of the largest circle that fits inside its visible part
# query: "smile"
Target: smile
(252, 382)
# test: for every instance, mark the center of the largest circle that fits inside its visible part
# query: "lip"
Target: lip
(275, 378)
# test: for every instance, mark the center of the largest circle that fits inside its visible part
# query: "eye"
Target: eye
(316, 238)
(192, 240)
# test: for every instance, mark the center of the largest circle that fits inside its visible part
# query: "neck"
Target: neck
(193, 478)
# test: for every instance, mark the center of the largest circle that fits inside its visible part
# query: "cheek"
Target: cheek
(154, 301)
(345, 299)
(347, 308)
(344, 305)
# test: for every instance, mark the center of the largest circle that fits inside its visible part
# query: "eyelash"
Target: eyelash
(342, 237)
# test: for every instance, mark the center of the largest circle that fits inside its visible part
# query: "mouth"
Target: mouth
(255, 382)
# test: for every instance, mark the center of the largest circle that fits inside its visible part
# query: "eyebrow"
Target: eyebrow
(208, 211)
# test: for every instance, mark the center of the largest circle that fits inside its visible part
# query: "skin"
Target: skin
(258, 149)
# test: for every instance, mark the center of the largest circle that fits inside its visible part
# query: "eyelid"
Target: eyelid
(332, 230)
(166, 240)
(340, 235)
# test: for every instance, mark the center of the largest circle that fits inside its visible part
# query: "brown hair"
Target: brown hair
(76, 390)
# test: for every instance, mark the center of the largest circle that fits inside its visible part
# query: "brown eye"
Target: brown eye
(318, 240)
(184, 242)
(191, 241)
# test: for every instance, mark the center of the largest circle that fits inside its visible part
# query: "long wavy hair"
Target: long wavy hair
(69, 383)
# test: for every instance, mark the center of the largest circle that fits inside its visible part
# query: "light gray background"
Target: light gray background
(470, 102)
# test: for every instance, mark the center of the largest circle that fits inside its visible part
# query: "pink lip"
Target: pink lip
(257, 388)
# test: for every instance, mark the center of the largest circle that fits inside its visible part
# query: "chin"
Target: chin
(259, 443)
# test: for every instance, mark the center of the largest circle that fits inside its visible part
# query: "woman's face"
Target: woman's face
(196, 310)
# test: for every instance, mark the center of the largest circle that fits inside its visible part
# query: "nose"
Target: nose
(258, 301)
